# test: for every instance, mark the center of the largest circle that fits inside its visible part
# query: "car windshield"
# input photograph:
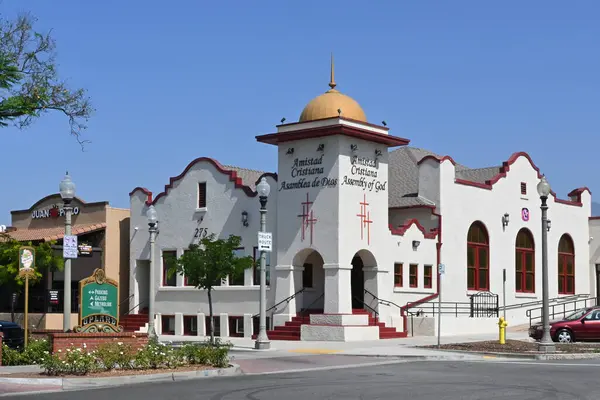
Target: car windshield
(577, 314)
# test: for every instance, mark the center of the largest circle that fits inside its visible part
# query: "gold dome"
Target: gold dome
(328, 104)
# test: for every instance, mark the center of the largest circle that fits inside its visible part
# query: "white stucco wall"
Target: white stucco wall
(179, 218)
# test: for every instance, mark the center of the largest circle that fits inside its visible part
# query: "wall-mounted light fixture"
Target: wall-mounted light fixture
(245, 218)
(353, 147)
(290, 151)
(321, 147)
(282, 120)
(549, 224)
(415, 244)
(384, 123)
(377, 153)
(340, 112)
(505, 220)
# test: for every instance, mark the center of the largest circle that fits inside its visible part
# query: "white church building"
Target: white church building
(367, 231)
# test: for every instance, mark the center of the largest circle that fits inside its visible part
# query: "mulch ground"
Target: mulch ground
(517, 346)
(116, 372)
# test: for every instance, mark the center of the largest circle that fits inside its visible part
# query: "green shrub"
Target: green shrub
(33, 353)
(75, 361)
(112, 355)
(10, 356)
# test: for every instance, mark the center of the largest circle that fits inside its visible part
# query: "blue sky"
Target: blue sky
(172, 81)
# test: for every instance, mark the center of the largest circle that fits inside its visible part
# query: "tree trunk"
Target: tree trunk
(211, 317)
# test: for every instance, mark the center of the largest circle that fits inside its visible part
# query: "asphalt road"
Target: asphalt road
(425, 380)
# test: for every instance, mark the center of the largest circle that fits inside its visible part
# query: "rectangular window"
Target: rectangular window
(236, 326)
(257, 266)
(413, 275)
(168, 257)
(238, 279)
(190, 325)
(217, 325)
(398, 277)
(427, 278)
(168, 324)
(307, 276)
(523, 188)
(202, 195)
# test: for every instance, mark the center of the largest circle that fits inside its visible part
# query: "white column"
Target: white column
(158, 324)
(224, 324)
(286, 284)
(201, 322)
(248, 326)
(338, 295)
(179, 324)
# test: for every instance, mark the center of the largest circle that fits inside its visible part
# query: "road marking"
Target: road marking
(314, 351)
(487, 357)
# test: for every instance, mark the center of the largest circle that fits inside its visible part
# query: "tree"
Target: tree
(29, 82)
(207, 264)
(45, 259)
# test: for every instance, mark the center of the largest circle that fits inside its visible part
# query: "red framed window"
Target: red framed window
(523, 188)
(525, 262)
(167, 324)
(398, 277)
(256, 273)
(566, 265)
(413, 275)
(478, 257)
(238, 279)
(202, 195)
(168, 256)
(427, 276)
(190, 325)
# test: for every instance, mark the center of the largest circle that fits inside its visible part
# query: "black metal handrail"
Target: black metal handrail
(313, 303)
(368, 306)
(539, 302)
(138, 306)
(383, 301)
(127, 299)
(286, 300)
(480, 305)
(560, 309)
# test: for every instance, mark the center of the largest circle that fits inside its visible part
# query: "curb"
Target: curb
(528, 356)
(84, 383)
(413, 357)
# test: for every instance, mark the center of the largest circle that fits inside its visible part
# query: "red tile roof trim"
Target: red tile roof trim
(400, 231)
(502, 174)
(233, 177)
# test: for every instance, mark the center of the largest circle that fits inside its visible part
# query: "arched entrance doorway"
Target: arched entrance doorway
(357, 282)
(311, 279)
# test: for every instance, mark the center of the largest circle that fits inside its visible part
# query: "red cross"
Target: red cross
(311, 221)
(306, 221)
(365, 219)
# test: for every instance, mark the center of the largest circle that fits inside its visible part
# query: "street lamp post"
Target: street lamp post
(546, 345)
(262, 340)
(67, 192)
(152, 228)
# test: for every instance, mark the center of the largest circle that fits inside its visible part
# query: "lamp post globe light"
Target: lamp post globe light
(546, 345)
(67, 193)
(262, 340)
(152, 216)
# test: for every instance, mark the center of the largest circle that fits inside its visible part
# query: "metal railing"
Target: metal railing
(383, 302)
(539, 302)
(561, 309)
(308, 307)
(374, 311)
(286, 301)
(480, 305)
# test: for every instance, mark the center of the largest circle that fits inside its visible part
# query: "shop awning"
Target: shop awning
(49, 234)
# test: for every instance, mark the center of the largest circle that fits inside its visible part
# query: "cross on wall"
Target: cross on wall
(365, 219)
(308, 219)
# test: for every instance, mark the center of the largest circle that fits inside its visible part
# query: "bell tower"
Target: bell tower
(332, 209)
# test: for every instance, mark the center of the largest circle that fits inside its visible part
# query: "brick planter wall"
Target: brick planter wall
(64, 341)
(37, 334)
(1, 335)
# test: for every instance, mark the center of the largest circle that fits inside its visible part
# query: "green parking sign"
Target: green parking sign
(98, 304)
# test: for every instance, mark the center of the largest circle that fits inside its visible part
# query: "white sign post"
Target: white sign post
(265, 241)
(441, 271)
(70, 246)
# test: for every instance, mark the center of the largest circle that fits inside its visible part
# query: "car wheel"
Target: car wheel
(564, 336)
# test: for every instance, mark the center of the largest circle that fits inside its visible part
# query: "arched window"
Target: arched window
(478, 258)
(525, 262)
(566, 265)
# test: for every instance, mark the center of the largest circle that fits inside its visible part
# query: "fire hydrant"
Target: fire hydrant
(502, 324)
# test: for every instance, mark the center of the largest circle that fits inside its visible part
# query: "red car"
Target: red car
(581, 325)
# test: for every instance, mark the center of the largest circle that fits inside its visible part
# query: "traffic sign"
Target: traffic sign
(441, 269)
(70, 246)
(265, 241)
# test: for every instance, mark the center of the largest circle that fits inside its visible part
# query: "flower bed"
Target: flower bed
(517, 346)
(118, 358)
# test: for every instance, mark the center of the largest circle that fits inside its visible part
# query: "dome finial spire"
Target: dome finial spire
(332, 84)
